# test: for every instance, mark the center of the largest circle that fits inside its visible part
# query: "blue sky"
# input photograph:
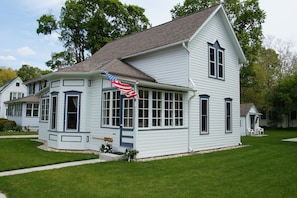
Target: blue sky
(20, 44)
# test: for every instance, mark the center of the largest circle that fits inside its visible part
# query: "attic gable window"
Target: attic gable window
(216, 61)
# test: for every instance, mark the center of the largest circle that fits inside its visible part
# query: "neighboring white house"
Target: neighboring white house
(286, 121)
(186, 72)
(25, 111)
(11, 90)
(249, 119)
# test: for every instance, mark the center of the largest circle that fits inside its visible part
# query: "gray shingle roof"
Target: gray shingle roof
(245, 108)
(178, 30)
(6, 84)
(27, 99)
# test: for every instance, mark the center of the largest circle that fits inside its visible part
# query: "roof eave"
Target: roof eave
(155, 49)
(72, 74)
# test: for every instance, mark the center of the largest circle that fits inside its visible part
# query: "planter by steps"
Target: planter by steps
(112, 156)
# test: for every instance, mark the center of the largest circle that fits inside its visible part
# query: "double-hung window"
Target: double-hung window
(160, 109)
(156, 108)
(228, 115)
(216, 61)
(44, 109)
(72, 110)
(143, 109)
(32, 110)
(54, 109)
(204, 114)
(111, 108)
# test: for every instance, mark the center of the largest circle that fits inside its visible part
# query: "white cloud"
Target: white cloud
(7, 58)
(26, 51)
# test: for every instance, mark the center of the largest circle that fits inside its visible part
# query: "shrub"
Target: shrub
(6, 125)
(17, 128)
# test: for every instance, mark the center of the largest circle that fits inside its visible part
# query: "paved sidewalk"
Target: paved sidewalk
(290, 140)
(49, 167)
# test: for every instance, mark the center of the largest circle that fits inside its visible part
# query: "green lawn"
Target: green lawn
(23, 153)
(265, 168)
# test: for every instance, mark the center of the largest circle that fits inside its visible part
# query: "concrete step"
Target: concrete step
(111, 156)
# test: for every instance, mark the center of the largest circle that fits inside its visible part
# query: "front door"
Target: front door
(126, 121)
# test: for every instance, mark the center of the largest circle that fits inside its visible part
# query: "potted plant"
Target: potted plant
(106, 148)
(131, 153)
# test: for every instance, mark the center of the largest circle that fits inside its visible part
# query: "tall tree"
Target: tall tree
(246, 18)
(6, 74)
(85, 26)
(287, 57)
(27, 72)
(267, 72)
(283, 98)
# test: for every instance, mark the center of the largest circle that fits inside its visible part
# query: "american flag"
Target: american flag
(126, 88)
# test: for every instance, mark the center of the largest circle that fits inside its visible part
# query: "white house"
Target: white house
(25, 111)
(11, 90)
(250, 119)
(186, 73)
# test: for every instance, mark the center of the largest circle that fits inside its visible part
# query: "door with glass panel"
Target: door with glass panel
(126, 122)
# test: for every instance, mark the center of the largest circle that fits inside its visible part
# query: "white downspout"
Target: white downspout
(190, 98)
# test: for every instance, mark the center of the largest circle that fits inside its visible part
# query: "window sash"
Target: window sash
(54, 112)
(128, 113)
(212, 62)
(156, 108)
(44, 109)
(216, 61)
(204, 116)
(111, 108)
(72, 112)
(220, 64)
(160, 109)
(228, 116)
(143, 106)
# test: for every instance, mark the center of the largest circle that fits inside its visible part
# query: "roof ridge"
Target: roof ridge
(167, 34)
(163, 24)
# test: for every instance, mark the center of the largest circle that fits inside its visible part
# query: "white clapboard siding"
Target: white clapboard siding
(169, 66)
(218, 90)
(162, 142)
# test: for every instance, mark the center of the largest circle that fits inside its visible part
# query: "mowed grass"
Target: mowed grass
(5, 133)
(267, 167)
(23, 153)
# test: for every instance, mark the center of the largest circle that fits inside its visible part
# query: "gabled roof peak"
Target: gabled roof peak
(172, 32)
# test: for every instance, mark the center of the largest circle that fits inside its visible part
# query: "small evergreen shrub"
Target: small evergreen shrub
(6, 125)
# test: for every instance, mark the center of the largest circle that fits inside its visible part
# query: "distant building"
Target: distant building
(25, 110)
(11, 90)
(249, 119)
